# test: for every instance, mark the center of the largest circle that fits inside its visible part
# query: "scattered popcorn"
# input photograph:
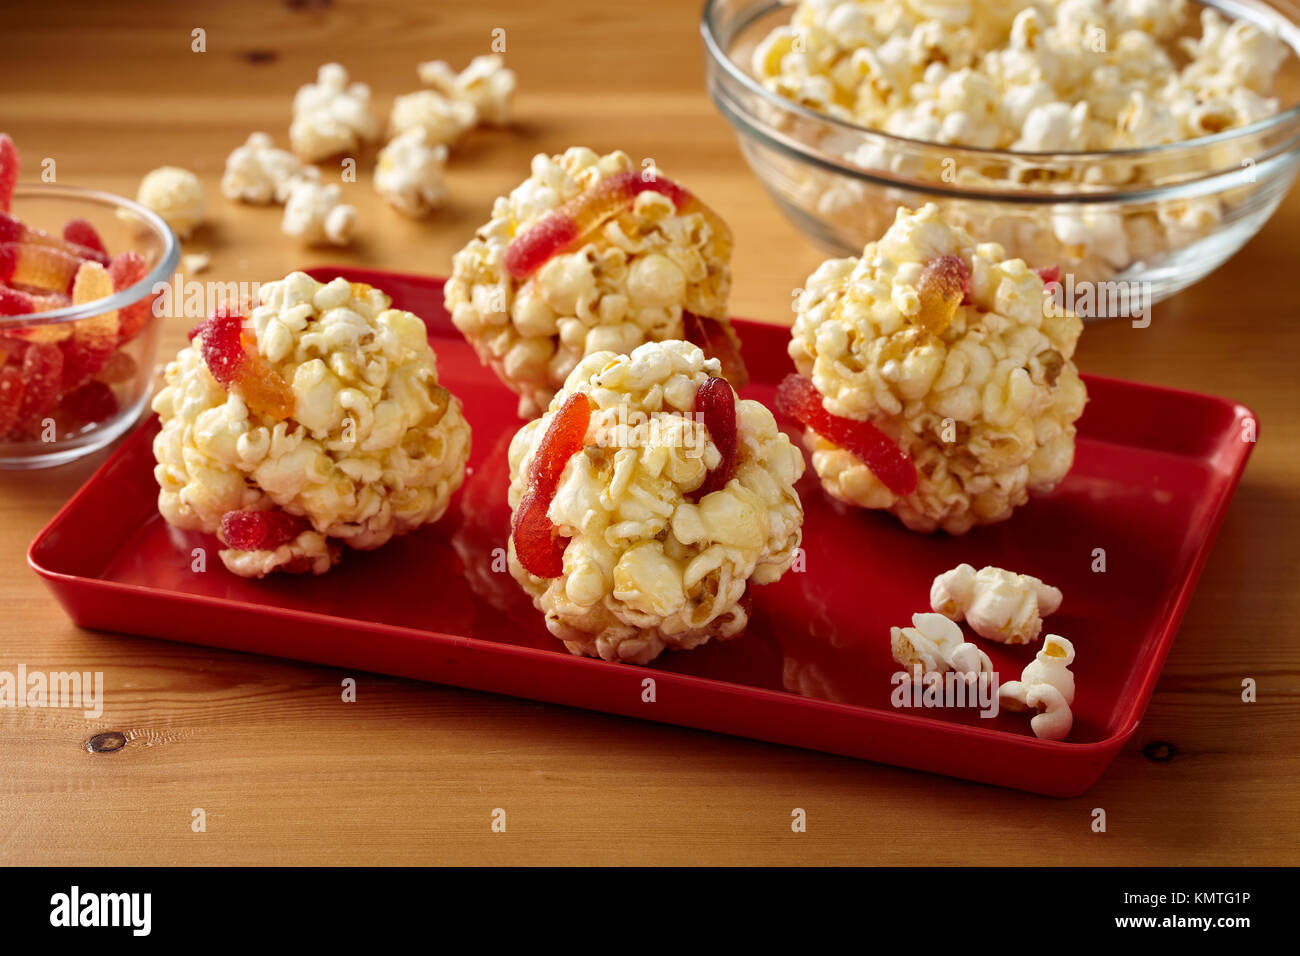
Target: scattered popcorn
(998, 605)
(175, 194)
(637, 271)
(1047, 686)
(259, 173)
(936, 645)
(949, 351)
(316, 213)
(486, 84)
(195, 262)
(331, 116)
(409, 174)
(443, 120)
(368, 446)
(644, 567)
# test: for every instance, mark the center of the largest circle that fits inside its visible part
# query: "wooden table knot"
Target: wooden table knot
(1160, 751)
(108, 742)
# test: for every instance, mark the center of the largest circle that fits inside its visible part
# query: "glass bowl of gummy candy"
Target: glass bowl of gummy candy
(78, 333)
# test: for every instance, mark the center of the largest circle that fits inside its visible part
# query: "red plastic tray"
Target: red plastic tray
(1153, 475)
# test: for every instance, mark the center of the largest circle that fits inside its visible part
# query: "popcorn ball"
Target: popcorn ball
(316, 213)
(936, 645)
(259, 173)
(331, 116)
(590, 254)
(1046, 686)
(315, 420)
(998, 605)
(175, 194)
(409, 173)
(935, 378)
(646, 501)
(486, 84)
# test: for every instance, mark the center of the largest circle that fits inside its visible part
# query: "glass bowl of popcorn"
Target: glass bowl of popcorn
(80, 271)
(1135, 145)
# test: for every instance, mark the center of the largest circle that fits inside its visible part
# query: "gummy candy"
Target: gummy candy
(11, 397)
(126, 269)
(8, 170)
(80, 232)
(797, 398)
(260, 530)
(539, 549)
(716, 403)
(567, 224)
(1049, 274)
(38, 266)
(13, 302)
(119, 368)
(13, 229)
(42, 372)
(91, 403)
(230, 357)
(717, 340)
(18, 302)
(94, 339)
(943, 285)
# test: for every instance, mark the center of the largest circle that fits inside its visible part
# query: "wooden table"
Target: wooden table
(411, 773)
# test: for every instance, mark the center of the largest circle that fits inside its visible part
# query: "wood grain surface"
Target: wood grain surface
(287, 773)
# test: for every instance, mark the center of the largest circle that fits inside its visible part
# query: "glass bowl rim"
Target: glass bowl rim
(1288, 32)
(161, 272)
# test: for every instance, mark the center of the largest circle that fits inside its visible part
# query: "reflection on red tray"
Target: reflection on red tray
(1152, 479)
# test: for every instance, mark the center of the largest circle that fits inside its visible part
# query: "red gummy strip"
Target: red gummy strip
(38, 266)
(944, 285)
(716, 403)
(119, 368)
(539, 549)
(717, 340)
(222, 347)
(18, 302)
(579, 216)
(126, 269)
(8, 170)
(1049, 274)
(948, 273)
(260, 530)
(11, 398)
(91, 403)
(530, 251)
(13, 302)
(13, 229)
(84, 356)
(42, 372)
(80, 232)
(797, 398)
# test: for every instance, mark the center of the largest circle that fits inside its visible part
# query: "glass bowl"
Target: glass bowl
(1147, 221)
(83, 419)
